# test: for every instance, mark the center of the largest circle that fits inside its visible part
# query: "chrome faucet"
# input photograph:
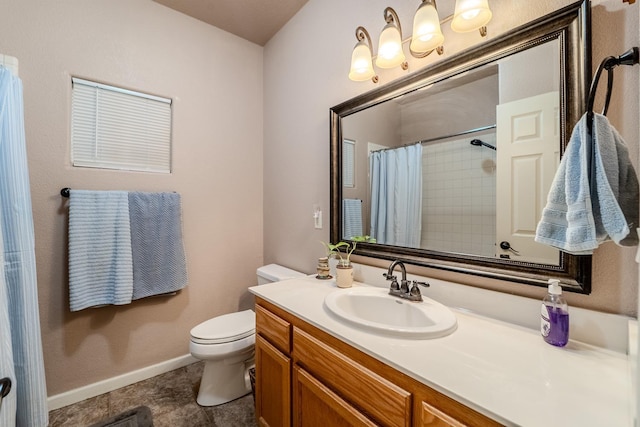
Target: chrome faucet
(402, 290)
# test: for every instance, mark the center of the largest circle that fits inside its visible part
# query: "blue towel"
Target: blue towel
(352, 218)
(577, 218)
(100, 263)
(159, 265)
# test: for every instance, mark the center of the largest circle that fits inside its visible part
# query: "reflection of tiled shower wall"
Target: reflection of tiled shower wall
(459, 196)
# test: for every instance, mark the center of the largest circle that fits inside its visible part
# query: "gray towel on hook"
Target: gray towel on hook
(616, 207)
(159, 264)
(578, 218)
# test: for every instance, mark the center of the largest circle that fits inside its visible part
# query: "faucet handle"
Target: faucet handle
(394, 282)
(425, 284)
(415, 290)
(414, 293)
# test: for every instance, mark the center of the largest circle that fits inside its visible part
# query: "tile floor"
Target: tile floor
(171, 398)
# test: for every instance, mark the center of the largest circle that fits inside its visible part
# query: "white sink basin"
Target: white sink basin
(375, 310)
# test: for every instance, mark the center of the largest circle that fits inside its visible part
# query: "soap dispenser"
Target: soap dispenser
(554, 316)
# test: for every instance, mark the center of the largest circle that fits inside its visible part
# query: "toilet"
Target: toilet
(226, 344)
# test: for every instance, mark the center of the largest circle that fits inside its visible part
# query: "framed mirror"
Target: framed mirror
(450, 167)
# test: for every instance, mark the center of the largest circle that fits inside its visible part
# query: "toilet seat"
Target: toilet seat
(226, 328)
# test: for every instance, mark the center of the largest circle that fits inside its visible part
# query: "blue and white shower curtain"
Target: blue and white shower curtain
(396, 195)
(20, 344)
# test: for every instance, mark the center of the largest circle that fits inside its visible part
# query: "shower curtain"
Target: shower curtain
(396, 195)
(20, 344)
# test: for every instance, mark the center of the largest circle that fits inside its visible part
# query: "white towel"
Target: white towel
(100, 261)
(578, 218)
(351, 218)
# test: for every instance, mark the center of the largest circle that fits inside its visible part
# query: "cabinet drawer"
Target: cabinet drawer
(276, 330)
(382, 400)
(317, 406)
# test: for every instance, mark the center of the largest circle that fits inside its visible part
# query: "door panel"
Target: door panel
(527, 157)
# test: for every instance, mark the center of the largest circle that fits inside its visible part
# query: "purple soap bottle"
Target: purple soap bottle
(554, 316)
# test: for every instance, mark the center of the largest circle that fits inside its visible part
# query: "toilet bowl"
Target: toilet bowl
(226, 344)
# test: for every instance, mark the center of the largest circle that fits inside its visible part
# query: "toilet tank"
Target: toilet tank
(274, 272)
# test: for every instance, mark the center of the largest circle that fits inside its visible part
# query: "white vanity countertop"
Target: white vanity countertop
(502, 370)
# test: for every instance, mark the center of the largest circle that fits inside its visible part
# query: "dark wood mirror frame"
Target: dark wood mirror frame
(571, 27)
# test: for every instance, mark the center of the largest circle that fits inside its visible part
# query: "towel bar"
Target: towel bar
(65, 192)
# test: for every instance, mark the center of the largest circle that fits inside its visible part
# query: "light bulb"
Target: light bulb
(361, 66)
(470, 15)
(390, 48)
(427, 34)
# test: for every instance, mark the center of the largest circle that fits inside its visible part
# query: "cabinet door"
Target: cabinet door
(317, 406)
(384, 401)
(432, 417)
(273, 385)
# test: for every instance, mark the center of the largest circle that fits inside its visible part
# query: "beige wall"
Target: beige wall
(215, 80)
(306, 66)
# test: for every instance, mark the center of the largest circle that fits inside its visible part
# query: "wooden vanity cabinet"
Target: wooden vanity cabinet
(307, 378)
(273, 369)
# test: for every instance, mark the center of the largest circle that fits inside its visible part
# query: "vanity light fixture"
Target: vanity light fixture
(471, 15)
(361, 58)
(390, 52)
(427, 34)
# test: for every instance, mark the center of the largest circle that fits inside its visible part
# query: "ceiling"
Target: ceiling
(253, 20)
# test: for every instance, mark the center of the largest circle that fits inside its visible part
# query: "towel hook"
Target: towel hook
(630, 57)
(605, 64)
(65, 192)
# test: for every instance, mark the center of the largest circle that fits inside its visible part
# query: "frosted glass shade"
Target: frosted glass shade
(390, 52)
(427, 34)
(361, 65)
(470, 15)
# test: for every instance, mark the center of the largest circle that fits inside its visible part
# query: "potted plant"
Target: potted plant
(344, 270)
(365, 238)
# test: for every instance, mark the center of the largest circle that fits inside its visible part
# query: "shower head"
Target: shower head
(479, 143)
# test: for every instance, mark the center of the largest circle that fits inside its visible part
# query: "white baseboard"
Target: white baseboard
(110, 384)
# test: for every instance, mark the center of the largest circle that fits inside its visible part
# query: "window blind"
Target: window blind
(115, 128)
(348, 163)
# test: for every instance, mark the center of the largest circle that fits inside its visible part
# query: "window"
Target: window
(114, 128)
(348, 163)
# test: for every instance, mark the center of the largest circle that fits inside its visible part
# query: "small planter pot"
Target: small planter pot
(344, 276)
